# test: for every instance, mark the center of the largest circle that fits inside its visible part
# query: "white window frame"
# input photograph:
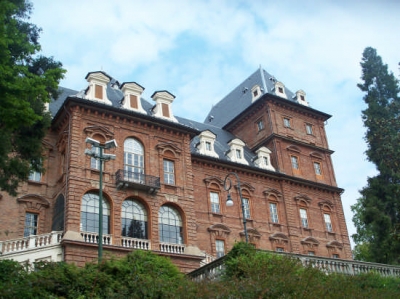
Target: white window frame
(169, 172)
(303, 218)
(215, 203)
(309, 129)
(220, 248)
(31, 224)
(295, 162)
(317, 168)
(287, 122)
(328, 222)
(273, 209)
(35, 176)
(246, 208)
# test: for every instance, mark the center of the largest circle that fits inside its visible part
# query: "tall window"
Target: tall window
(31, 224)
(328, 223)
(208, 146)
(169, 172)
(90, 214)
(134, 219)
(246, 205)
(95, 163)
(220, 248)
(260, 125)
(303, 218)
(295, 162)
(274, 212)
(238, 154)
(309, 129)
(133, 160)
(170, 225)
(286, 122)
(317, 168)
(214, 198)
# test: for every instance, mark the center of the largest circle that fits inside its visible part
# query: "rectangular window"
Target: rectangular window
(317, 168)
(266, 162)
(214, 198)
(35, 176)
(255, 93)
(303, 217)
(169, 172)
(335, 256)
(279, 249)
(246, 205)
(280, 89)
(95, 163)
(165, 109)
(274, 212)
(133, 101)
(309, 129)
(98, 91)
(286, 122)
(295, 162)
(238, 154)
(31, 223)
(208, 146)
(220, 248)
(311, 253)
(328, 223)
(260, 125)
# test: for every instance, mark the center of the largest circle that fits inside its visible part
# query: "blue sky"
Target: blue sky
(201, 50)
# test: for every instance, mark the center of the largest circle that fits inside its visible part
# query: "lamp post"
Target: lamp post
(229, 201)
(102, 157)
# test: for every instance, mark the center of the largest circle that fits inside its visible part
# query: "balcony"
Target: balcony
(215, 269)
(33, 248)
(140, 181)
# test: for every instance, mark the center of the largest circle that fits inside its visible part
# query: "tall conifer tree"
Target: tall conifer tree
(27, 82)
(377, 211)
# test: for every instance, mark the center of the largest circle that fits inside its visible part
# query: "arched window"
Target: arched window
(170, 225)
(134, 219)
(90, 214)
(133, 159)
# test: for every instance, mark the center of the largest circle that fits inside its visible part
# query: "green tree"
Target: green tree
(28, 80)
(377, 213)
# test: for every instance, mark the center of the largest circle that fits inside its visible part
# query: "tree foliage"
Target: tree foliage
(142, 274)
(377, 211)
(27, 82)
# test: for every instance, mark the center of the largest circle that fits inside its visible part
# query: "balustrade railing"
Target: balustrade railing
(31, 242)
(136, 243)
(89, 237)
(172, 248)
(215, 269)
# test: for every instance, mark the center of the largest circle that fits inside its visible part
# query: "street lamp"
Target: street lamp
(229, 201)
(103, 158)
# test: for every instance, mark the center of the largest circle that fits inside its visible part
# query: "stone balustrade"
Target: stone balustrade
(89, 237)
(172, 248)
(31, 242)
(215, 269)
(135, 243)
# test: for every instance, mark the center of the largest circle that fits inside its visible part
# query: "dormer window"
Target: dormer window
(97, 89)
(236, 152)
(132, 93)
(255, 92)
(280, 89)
(301, 97)
(263, 159)
(163, 109)
(206, 144)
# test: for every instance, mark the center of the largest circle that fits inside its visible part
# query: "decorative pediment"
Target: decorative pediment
(270, 191)
(302, 197)
(335, 245)
(101, 130)
(34, 201)
(293, 148)
(326, 202)
(164, 146)
(310, 242)
(246, 186)
(213, 180)
(279, 238)
(252, 233)
(317, 155)
(219, 230)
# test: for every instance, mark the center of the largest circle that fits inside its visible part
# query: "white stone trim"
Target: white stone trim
(301, 97)
(262, 153)
(97, 78)
(278, 87)
(134, 89)
(237, 145)
(163, 97)
(207, 136)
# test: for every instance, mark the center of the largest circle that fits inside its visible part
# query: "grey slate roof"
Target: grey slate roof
(241, 98)
(237, 101)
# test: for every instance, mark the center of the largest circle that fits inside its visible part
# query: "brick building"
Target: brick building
(165, 189)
